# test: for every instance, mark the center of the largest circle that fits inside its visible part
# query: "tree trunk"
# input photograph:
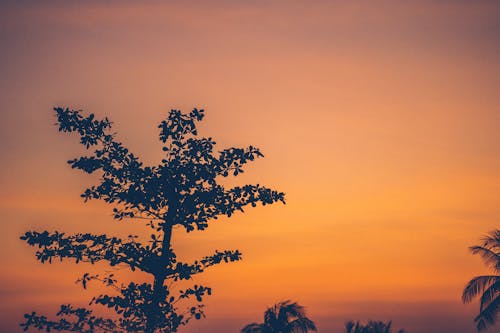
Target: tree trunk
(159, 279)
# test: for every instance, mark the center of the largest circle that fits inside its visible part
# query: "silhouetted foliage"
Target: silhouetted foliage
(486, 287)
(183, 190)
(284, 317)
(370, 327)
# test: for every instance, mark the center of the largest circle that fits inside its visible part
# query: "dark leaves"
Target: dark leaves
(186, 181)
(72, 320)
(91, 248)
(89, 129)
(184, 189)
(183, 271)
(179, 125)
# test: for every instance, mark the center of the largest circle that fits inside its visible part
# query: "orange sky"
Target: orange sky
(379, 121)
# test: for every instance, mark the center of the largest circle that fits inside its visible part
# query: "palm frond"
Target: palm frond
(378, 327)
(372, 326)
(349, 325)
(283, 317)
(488, 316)
(478, 285)
(388, 327)
(489, 295)
(301, 325)
(490, 257)
(289, 310)
(358, 328)
(492, 240)
(253, 328)
(271, 315)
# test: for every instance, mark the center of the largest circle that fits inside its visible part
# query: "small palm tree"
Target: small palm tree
(352, 327)
(371, 327)
(486, 287)
(284, 317)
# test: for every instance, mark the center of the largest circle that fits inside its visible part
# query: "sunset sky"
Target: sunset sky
(380, 120)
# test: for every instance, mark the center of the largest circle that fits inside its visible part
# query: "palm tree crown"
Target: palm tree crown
(486, 287)
(371, 327)
(283, 317)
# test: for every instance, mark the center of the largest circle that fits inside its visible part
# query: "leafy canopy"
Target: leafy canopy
(183, 190)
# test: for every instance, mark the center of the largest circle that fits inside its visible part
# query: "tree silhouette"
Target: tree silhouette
(183, 190)
(284, 317)
(486, 287)
(371, 327)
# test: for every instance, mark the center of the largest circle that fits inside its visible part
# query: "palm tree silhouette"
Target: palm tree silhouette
(283, 317)
(371, 327)
(486, 287)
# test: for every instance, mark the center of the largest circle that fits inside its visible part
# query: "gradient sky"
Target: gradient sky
(380, 121)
